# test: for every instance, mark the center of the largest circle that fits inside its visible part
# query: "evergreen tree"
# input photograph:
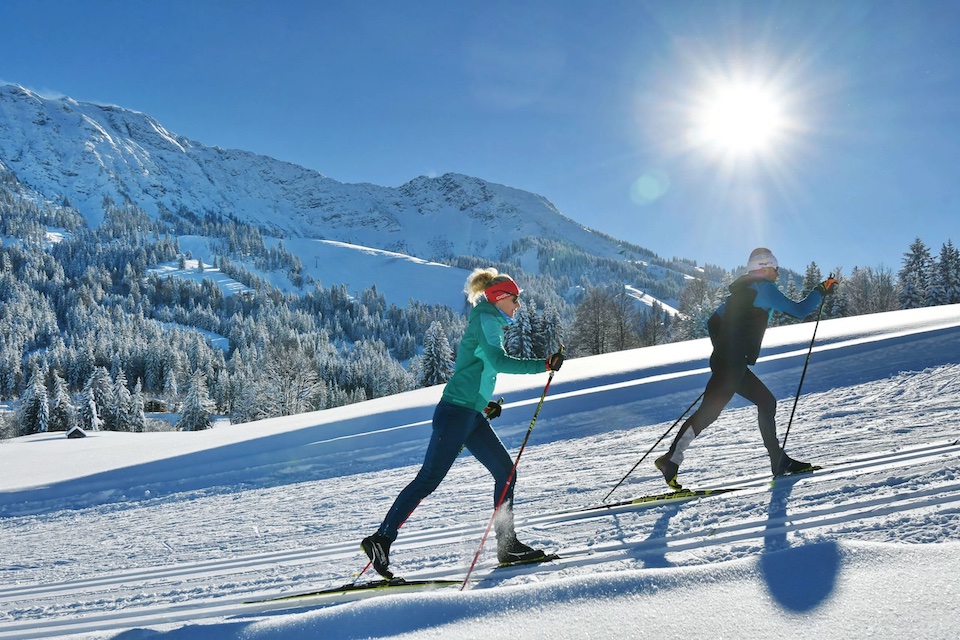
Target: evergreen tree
(945, 285)
(406, 347)
(811, 278)
(197, 406)
(88, 413)
(123, 406)
(63, 415)
(101, 389)
(519, 337)
(289, 379)
(137, 419)
(836, 304)
(915, 276)
(551, 332)
(170, 388)
(33, 410)
(436, 366)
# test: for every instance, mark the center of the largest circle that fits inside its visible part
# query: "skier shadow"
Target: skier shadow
(653, 551)
(799, 578)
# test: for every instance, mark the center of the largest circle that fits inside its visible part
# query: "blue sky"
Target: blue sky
(597, 105)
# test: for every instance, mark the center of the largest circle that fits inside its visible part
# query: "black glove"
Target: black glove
(555, 361)
(828, 286)
(493, 409)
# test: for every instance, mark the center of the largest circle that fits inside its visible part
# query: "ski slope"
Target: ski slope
(174, 535)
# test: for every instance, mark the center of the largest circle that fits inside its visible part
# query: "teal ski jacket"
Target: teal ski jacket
(481, 356)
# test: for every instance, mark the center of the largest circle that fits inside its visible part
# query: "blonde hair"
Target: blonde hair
(479, 280)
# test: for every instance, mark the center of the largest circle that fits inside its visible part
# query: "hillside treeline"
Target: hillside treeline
(92, 336)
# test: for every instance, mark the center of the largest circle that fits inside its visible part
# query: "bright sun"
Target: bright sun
(739, 119)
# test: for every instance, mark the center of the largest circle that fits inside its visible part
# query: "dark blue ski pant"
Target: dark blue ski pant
(454, 427)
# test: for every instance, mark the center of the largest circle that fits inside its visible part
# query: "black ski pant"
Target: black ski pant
(726, 380)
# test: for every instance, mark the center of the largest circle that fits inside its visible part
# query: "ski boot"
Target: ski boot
(789, 466)
(377, 548)
(512, 551)
(669, 469)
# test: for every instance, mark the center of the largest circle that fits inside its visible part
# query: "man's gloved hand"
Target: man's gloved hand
(555, 361)
(493, 409)
(828, 286)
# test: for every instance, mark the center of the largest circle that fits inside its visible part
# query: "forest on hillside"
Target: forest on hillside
(90, 336)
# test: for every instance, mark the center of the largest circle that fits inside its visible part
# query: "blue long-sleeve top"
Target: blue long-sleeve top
(737, 326)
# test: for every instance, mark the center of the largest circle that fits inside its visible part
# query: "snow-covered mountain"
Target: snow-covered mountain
(60, 149)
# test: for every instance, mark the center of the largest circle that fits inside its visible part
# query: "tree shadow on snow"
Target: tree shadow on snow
(798, 578)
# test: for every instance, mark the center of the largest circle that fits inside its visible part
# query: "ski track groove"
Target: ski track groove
(757, 484)
(774, 525)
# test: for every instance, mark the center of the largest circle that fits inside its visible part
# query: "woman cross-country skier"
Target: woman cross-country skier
(736, 331)
(462, 419)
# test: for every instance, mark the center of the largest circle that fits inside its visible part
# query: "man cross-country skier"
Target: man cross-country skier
(736, 331)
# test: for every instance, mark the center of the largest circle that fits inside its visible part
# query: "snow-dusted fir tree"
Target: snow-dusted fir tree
(835, 305)
(519, 337)
(289, 379)
(88, 414)
(101, 390)
(915, 275)
(811, 278)
(406, 346)
(945, 284)
(63, 415)
(436, 364)
(33, 410)
(197, 406)
(123, 417)
(551, 333)
(137, 419)
(170, 387)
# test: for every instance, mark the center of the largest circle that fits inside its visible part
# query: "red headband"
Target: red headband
(497, 292)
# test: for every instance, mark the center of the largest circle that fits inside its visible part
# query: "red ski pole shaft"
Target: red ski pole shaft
(506, 487)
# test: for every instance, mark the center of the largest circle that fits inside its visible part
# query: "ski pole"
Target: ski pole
(803, 375)
(506, 487)
(644, 457)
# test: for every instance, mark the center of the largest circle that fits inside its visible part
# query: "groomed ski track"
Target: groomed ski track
(758, 516)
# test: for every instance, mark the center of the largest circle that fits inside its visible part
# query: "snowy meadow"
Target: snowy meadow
(177, 535)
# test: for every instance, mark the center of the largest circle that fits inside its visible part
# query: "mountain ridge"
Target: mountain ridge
(80, 152)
